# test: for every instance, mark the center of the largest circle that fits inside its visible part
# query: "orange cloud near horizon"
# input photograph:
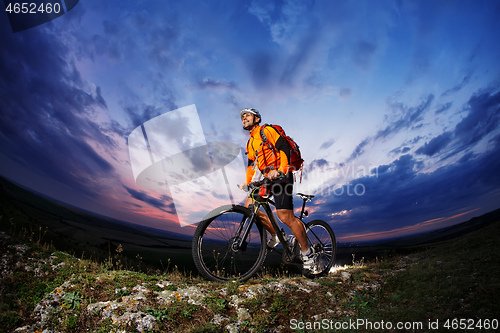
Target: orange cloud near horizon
(424, 226)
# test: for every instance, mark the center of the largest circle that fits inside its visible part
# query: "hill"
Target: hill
(380, 249)
(444, 286)
(90, 235)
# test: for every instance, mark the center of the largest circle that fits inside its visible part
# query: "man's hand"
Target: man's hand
(274, 174)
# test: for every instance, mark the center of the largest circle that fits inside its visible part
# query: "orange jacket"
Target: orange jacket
(262, 157)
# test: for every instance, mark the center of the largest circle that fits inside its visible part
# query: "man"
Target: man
(274, 166)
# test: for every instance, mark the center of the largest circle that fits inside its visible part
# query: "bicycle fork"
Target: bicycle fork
(240, 241)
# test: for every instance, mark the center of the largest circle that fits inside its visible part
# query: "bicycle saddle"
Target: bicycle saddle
(306, 197)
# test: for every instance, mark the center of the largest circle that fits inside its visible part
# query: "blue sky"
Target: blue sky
(395, 104)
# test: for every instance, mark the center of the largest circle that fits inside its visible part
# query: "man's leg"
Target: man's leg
(283, 195)
(263, 217)
(286, 216)
(296, 226)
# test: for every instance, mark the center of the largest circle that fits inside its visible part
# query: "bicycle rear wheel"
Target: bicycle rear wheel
(322, 239)
(215, 245)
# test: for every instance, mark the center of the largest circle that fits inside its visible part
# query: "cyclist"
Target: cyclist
(274, 166)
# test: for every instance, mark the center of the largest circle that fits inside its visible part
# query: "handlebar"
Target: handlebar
(257, 184)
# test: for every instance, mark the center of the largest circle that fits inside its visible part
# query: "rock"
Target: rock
(243, 314)
(232, 328)
(346, 277)
(218, 319)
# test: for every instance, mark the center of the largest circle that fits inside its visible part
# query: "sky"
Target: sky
(394, 104)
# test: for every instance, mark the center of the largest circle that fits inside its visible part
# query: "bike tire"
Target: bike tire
(322, 239)
(213, 251)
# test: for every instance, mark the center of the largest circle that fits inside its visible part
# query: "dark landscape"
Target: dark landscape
(62, 271)
(88, 235)
(92, 236)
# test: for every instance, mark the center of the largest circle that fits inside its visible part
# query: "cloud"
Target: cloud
(140, 52)
(483, 118)
(297, 61)
(283, 68)
(399, 195)
(482, 121)
(443, 108)
(287, 62)
(318, 163)
(459, 86)
(265, 11)
(359, 150)
(139, 114)
(400, 150)
(48, 111)
(210, 83)
(468, 156)
(406, 117)
(164, 203)
(290, 23)
(105, 46)
(435, 145)
(327, 144)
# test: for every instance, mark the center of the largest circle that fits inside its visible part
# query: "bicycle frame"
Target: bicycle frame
(266, 204)
(267, 209)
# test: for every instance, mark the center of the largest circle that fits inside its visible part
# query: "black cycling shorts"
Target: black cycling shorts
(283, 193)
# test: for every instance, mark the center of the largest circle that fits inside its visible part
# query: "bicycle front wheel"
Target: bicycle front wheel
(218, 250)
(322, 239)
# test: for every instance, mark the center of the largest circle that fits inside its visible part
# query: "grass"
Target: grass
(455, 279)
(440, 282)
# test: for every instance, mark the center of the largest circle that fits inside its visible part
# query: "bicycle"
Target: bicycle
(230, 243)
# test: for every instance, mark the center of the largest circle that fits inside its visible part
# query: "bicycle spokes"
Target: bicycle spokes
(322, 240)
(230, 246)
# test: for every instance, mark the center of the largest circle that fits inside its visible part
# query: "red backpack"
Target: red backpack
(296, 161)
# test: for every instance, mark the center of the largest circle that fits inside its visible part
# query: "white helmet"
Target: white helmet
(250, 110)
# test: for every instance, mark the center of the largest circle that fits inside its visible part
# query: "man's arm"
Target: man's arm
(251, 170)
